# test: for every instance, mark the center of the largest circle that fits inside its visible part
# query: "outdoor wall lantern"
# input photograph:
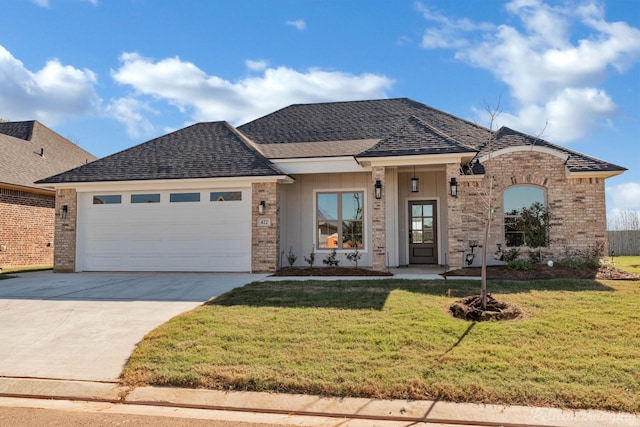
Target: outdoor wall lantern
(64, 210)
(453, 186)
(261, 207)
(378, 188)
(414, 182)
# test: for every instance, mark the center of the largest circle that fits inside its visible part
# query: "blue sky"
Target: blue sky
(112, 74)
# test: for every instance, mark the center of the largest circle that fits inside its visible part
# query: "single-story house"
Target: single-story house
(398, 181)
(30, 151)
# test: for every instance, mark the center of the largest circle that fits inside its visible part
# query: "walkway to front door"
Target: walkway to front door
(423, 238)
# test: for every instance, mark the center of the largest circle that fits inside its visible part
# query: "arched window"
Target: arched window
(526, 219)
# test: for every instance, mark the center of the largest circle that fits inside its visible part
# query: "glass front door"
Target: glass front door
(423, 236)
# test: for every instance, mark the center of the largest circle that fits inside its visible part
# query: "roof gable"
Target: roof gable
(416, 137)
(576, 162)
(203, 150)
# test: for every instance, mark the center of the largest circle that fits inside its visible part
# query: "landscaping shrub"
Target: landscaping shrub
(520, 264)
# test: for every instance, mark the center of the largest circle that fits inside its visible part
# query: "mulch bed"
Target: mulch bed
(328, 271)
(470, 308)
(498, 272)
(542, 271)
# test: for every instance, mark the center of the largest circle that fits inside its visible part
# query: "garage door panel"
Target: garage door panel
(198, 236)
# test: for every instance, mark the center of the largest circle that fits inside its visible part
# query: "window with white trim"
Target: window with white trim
(340, 220)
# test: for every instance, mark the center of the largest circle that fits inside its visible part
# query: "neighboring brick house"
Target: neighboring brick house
(30, 151)
(399, 181)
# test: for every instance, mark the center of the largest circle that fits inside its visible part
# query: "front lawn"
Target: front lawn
(628, 263)
(577, 347)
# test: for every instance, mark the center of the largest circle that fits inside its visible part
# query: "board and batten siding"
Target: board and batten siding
(298, 216)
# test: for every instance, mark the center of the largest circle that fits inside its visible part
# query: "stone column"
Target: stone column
(265, 228)
(378, 222)
(64, 250)
(455, 234)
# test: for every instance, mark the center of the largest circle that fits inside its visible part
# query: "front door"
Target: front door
(423, 238)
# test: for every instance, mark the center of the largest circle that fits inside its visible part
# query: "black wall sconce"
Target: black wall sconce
(453, 187)
(378, 189)
(64, 211)
(414, 182)
(261, 207)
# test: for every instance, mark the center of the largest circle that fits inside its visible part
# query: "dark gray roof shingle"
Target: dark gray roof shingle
(203, 150)
(386, 120)
(354, 120)
(20, 130)
(413, 138)
(576, 162)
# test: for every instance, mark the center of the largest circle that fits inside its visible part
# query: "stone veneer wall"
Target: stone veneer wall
(378, 221)
(26, 229)
(576, 205)
(65, 241)
(265, 240)
(455, 230)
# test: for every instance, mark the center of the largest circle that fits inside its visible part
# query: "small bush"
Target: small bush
(312, 257)
(331, 260)
(583, 258)
(580, 263)
(354, 257)
(510, 255)
(520, 264)
(291, 257)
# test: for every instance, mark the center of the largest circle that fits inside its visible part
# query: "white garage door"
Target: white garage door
(165, 231)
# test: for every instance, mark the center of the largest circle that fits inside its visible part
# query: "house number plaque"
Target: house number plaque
(264, 222)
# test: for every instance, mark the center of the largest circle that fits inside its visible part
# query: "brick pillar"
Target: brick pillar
(378, 224)
(455, 235)
(64, 253)
(265, 228)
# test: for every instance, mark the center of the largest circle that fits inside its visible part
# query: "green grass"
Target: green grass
(577, 347)
(628, 263)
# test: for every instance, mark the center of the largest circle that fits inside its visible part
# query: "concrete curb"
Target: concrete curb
(381, 411)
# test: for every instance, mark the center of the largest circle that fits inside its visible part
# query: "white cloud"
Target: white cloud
(624, 196)
(450, 33)
(552, 77)
(47, 3)
(50, 95)
(298, 24)
(208, 98)
(129, 111)
(256, 65)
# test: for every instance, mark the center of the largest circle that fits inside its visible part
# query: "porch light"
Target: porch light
(414, 182)
(63, 211)
(261, 207)
(378, 188)
(453, 186)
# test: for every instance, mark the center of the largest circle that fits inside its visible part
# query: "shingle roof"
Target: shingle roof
(20, 130)
(385, 120)
(354, 120)
(203, 150)
(576, 162)
(21, 146)
(416, 137)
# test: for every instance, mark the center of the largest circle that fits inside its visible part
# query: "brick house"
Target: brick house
(399, 181)
(30, 151)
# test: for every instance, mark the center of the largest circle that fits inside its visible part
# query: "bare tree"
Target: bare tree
(627, 220)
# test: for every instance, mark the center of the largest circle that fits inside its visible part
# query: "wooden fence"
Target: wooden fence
(624, 242)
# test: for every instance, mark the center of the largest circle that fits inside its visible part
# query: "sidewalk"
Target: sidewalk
(289, 409)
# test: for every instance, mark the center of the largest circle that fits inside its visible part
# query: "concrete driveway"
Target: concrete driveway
(84, 326)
